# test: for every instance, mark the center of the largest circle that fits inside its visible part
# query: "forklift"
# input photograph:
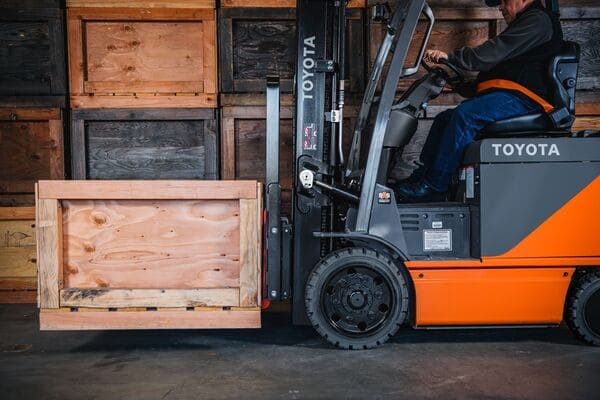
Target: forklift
(516, 244)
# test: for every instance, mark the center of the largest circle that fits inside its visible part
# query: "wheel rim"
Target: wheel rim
(591, 312)
(357, 300)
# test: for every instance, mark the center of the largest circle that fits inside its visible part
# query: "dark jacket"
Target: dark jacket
(521, 53)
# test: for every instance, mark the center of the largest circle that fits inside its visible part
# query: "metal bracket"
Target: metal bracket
(332, 116)
(325, 66)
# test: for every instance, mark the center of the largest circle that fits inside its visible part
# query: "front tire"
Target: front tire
(583, 308)
(357, 298)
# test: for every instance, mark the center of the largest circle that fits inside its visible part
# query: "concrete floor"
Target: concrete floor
(285, 362)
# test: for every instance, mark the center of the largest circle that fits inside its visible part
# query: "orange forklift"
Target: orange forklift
(516, 244)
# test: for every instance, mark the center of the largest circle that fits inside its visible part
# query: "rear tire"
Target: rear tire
(357, 298)
(583, 308)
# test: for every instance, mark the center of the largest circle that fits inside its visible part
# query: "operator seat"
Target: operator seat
(563, 76)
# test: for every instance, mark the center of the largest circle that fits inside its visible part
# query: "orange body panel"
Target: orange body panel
(526, 285)
(490, 296)
(572, 231)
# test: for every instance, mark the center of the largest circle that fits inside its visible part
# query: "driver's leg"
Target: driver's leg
(466, 121)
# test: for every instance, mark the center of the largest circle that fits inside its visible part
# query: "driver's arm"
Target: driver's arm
(523, 35)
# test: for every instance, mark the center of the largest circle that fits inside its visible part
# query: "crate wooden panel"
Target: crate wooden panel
(256, 42)
(149, 255)
(31, 148)
(243, 144)
(18, 273)
(32, 55)
(144, 144)
(129, 57)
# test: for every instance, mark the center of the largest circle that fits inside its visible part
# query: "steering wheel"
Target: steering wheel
(457, 78)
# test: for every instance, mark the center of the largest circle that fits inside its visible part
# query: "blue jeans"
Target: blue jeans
(454, 130)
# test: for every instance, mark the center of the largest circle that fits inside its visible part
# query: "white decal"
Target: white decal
(522, 149)
(308, 65)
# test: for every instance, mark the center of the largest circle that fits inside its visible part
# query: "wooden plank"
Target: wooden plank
(582, 123)
(49, 252)
(137, 101)
(26, 283)
(249, 249)
(117, 298)
(222, 319)
(143, 4)
(140, 14)
(278, 3)
(29, 113)
(18, 296)
(587, 109)
(142, 244)
(142, 190)
(17, 213)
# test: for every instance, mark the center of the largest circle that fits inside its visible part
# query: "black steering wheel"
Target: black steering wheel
(457, 78)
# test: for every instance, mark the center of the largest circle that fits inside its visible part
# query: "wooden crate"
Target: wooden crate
(144, 144)
(31, 148)
(256, 41)
(126, 55)
(243, 141)
(18, 273)
(32, 54)
(149, 255)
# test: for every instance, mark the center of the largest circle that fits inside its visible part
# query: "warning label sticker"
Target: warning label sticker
(437, 239)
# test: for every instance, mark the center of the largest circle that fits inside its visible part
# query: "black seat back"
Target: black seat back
(563, 74)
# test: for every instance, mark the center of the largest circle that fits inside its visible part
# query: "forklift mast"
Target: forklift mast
(316, 68)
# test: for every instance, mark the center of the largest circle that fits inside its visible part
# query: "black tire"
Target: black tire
(583, 308)
(357, 298)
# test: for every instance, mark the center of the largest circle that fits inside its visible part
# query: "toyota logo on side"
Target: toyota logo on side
(525, 149)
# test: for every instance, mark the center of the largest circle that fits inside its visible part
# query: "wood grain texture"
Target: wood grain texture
(18, 271)
(143, 4)
(256, 42)
(148, 55)
(49, 253)
(587, 33)
(142, 57)
(17, 249)
(249, 253)
(17, 213)
(138, 101)
(278, 3)
(133, 149)
(118, 298)
(143, 190)
(18, 284)
(32, 52)
(218, 319)
(151, 244)
(31, 149)
(18, 296)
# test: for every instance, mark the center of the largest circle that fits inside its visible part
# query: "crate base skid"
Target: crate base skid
(93, 319)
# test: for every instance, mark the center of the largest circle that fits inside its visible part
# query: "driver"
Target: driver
(512, 82)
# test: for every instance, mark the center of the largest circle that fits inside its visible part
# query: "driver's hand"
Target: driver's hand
(435, 56)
